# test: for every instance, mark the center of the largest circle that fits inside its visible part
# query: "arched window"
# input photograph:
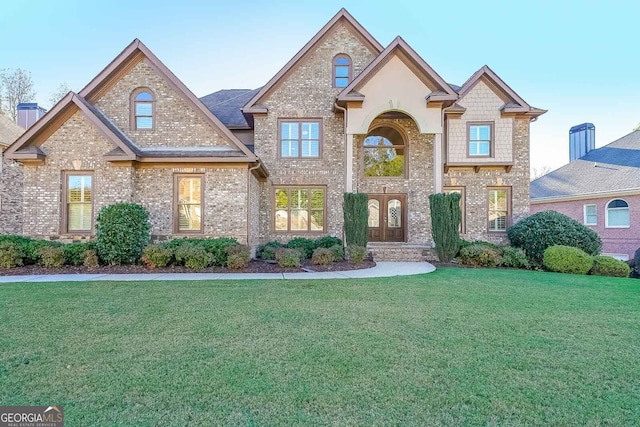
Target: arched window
(617, 215)
(384, 153)
(341, 70)
(142, 109)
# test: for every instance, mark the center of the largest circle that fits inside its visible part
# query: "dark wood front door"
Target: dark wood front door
(387, 217)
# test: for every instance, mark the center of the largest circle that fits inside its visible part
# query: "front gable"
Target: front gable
(311, 67)
(397, 80)
(180, 119)
(177, 123)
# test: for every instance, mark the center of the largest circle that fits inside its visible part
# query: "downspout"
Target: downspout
(251, 169)
(344, 115)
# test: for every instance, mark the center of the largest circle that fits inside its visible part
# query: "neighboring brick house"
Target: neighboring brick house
(10, 180)
(602, 191)
(344, 114)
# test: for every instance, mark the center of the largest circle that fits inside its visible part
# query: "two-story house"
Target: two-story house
(345, 114)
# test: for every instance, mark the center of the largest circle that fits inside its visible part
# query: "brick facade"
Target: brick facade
(476, 186)
(615, 241)
(307, 92)
(11, 177)
(236, 203)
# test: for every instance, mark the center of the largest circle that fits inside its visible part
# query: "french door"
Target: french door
(387, 217)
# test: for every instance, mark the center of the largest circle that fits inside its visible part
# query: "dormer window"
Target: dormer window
(142, 109)
(341, 70)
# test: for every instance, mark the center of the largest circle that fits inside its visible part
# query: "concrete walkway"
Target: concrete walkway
(382, 269)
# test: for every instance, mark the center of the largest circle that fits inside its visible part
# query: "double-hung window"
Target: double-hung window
(188, 203)
(590, 214)
(480, 139)
(499, 209)
(78, 202)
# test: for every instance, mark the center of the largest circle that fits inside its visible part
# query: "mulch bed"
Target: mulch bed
(254, 267)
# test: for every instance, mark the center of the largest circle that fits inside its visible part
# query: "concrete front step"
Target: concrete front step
(387, 251)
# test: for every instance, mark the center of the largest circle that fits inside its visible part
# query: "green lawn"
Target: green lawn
(455, 347)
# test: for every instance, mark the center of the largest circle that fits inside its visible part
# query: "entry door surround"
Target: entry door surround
(387, 217)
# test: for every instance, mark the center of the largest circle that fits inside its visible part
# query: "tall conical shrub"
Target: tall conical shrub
(356, 215)
(445, 223)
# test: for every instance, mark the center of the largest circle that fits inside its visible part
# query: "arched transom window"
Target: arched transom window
(384, 153)
(341, 70)
(617, 215)
(142, 109)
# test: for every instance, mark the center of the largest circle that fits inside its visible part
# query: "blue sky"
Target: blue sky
(578, 59)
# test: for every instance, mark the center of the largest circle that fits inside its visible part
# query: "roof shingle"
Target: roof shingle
(614, 167)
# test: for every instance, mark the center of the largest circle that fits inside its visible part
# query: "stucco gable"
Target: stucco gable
(438, 89)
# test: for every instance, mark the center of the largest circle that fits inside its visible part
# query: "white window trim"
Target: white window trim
(584, 211)
(606, 214)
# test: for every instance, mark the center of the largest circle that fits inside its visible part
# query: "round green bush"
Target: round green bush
(52, 256)
(567, 259)
(193, 256)
(238, 256)
(514, 257)
(288, 257)
(356, 253)
(480, 255)
(305, 245)
(322, 256)
(122, 232)
(11, 254)
(608, 266)
(74, 252)
(157, 256)
(539, 231)
(327, 242)
(268, 250)
(338, 252)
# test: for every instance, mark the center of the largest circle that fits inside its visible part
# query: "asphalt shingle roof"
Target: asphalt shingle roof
(614, 167)
(227, 105)
(9, 131)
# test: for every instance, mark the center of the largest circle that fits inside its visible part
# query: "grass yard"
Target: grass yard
(456, 347)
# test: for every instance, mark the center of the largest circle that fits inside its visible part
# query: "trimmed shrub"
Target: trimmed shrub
(238, 256)
(480, 255)
(305, 245)
(30, 248)
(268, 250)
(91, 258)
(445, 224)
(52, 256)
(322, 256)
(122, 232)
(74, 252)
(542, 230)
(11, 254)
(514, 257)
(356, 254)
(287, 257)
(327, 242)
(338, 252)
(216, 247)
(156, 256)
(193, 256)
(356, 216)
(567, 259)
(635, 265)
(609, 266)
